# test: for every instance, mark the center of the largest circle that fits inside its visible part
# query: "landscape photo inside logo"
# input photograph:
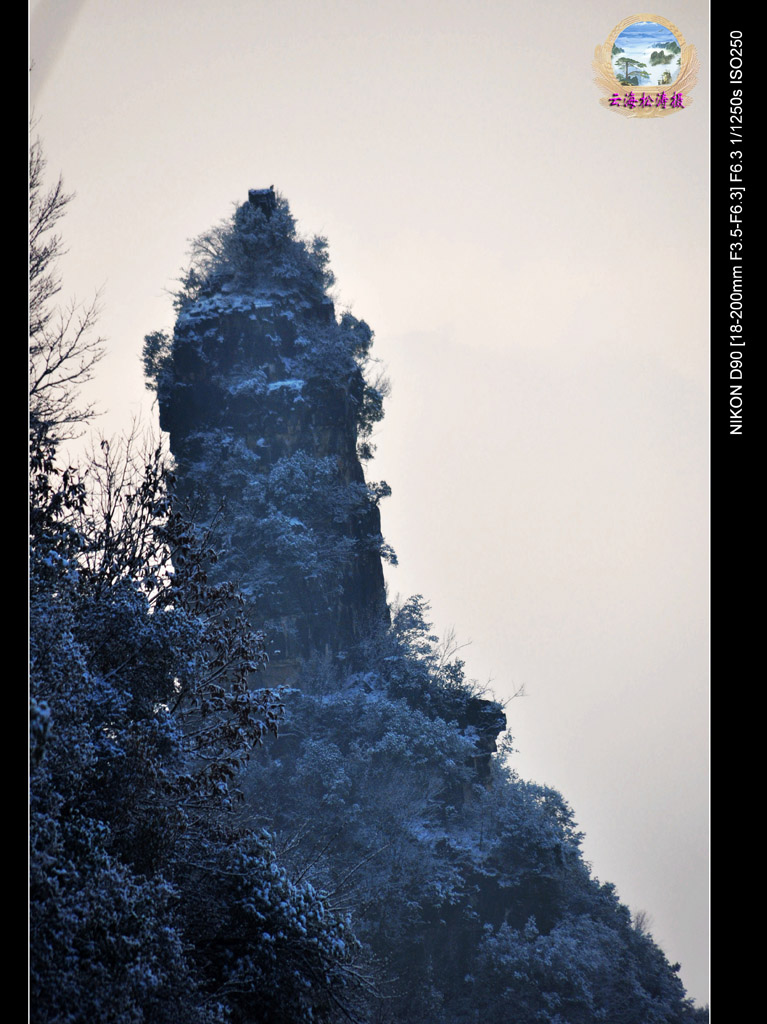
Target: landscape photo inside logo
(646, 53)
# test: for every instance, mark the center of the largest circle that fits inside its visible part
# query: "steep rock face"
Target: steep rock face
(470, 896)
(264, 396)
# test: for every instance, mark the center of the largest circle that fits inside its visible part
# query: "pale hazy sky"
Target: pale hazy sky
(535, 268)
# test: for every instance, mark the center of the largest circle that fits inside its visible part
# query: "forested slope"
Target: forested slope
(259, 794)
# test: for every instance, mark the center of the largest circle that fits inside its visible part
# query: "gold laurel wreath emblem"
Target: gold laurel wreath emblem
(604, 73)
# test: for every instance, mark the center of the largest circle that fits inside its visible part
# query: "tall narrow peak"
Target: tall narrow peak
(266, 394)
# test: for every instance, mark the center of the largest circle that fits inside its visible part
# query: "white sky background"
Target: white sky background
(535, 268)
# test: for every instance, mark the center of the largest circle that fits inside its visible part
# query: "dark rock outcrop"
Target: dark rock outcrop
(265, 401)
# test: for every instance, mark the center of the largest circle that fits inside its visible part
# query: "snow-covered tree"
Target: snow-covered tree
(144, 713)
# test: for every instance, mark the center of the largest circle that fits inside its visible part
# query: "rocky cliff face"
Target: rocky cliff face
(467, 884)
(264, 395)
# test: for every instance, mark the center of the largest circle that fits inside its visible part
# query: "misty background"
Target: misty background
(535, 268)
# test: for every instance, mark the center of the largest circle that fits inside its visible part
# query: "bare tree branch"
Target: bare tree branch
(63, 349)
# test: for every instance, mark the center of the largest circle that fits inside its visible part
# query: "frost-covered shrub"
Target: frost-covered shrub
(581, 971)
(106, 943)
(251, 250)
(270, 948)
